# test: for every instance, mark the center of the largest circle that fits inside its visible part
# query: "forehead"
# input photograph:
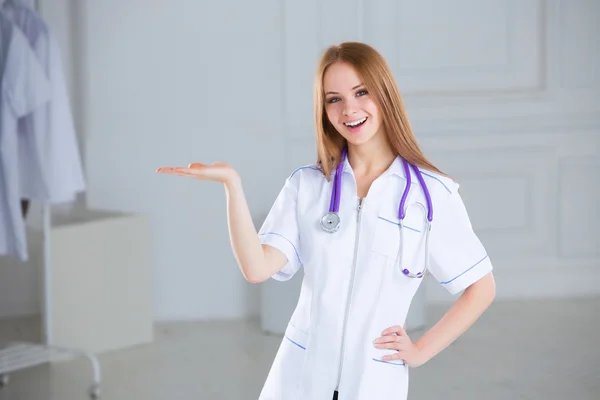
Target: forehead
(340, 77)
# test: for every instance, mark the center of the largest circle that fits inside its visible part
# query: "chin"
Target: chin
(358, 139)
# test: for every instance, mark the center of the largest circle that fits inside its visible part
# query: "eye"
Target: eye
(333, 100)
(362, 92)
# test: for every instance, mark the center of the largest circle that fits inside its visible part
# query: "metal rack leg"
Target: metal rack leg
(94, 389)
(18, 356)
(3, 380)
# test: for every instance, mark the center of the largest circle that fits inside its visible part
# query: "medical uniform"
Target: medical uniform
(353, 286)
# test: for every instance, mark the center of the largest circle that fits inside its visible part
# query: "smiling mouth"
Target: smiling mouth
(356, 123)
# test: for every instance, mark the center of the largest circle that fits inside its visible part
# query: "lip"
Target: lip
(354, 120)
(353, 130)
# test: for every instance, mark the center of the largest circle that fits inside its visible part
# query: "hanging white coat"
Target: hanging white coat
(353, 286)
(24, 89)
(50, 167)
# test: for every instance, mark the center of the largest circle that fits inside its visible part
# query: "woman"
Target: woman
(364, 259)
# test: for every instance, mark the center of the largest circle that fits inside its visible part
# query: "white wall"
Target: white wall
(173, 82)
(503, 95)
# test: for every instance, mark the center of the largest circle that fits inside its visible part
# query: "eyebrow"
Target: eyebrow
(354, 88)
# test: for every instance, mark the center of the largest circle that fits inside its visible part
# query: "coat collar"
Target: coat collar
(396, 168)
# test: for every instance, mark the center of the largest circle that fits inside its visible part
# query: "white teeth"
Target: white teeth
(355, 123)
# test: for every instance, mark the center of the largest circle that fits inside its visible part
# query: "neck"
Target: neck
(371, 158)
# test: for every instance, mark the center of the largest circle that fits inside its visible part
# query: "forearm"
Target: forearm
(463, 313)
(245, 244)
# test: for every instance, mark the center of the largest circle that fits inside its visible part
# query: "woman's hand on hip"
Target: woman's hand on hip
(218, 172)
(395, 338)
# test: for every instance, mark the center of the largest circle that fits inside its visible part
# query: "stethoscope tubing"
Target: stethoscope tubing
(331, 221)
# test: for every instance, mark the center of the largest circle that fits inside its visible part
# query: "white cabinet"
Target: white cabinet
(99, 287)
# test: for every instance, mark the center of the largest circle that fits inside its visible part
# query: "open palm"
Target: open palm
(218, 171)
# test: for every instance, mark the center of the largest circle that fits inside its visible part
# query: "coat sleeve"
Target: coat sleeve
(280, 228)
(457, 256)
(26, 84)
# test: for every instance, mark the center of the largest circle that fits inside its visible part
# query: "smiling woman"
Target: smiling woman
(356, 97)
(362, 264)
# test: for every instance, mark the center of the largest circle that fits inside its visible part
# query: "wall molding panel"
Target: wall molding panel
(504, 96)
(510, 193)
(483, 48)
(578, 211)
(531, 64)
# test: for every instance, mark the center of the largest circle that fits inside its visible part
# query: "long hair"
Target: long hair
(377, 77)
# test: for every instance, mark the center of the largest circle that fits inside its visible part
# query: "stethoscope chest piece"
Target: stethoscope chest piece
(330, 222)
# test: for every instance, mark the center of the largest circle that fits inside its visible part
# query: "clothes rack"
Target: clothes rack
(20, 355)
(17, 356)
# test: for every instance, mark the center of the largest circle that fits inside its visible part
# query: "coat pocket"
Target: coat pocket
(285, 377)
(296, 336)
(384, 379)
(390, 238)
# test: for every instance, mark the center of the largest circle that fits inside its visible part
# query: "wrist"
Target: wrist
(233, 182)
(424, 353)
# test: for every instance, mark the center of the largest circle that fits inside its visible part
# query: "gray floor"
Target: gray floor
(518, 350)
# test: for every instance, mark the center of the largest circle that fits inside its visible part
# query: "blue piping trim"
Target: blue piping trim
(437, 179)
(400, 362)
(398, 223)
(470, 268)
(289, 241)
(304, 167)
(302, 347)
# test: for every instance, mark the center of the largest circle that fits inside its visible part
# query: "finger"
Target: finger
(390, 346)
(392, 339)
(196, 165)
(398, 346)
(169, 170)
(396, 356)
(179, 171)
(388, 339)
(397, 329)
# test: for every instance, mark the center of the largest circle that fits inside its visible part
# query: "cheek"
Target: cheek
(371, 108)
(333, 114)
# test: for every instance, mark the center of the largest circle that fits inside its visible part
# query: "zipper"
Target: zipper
(350, 286)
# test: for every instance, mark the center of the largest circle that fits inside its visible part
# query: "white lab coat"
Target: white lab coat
(24, 88)
(307, 364)
(49, 162)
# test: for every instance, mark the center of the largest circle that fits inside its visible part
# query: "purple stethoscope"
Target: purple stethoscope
(331, 221)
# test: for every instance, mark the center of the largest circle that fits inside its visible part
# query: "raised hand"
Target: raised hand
(218, 172)
(395, 338)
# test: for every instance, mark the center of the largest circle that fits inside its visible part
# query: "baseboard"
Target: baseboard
(527, 281)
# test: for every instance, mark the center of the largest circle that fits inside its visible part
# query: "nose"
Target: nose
(350, 107)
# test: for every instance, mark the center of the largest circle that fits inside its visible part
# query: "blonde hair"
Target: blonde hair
(377, 78)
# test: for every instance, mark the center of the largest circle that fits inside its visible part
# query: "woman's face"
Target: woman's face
(348, 105)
